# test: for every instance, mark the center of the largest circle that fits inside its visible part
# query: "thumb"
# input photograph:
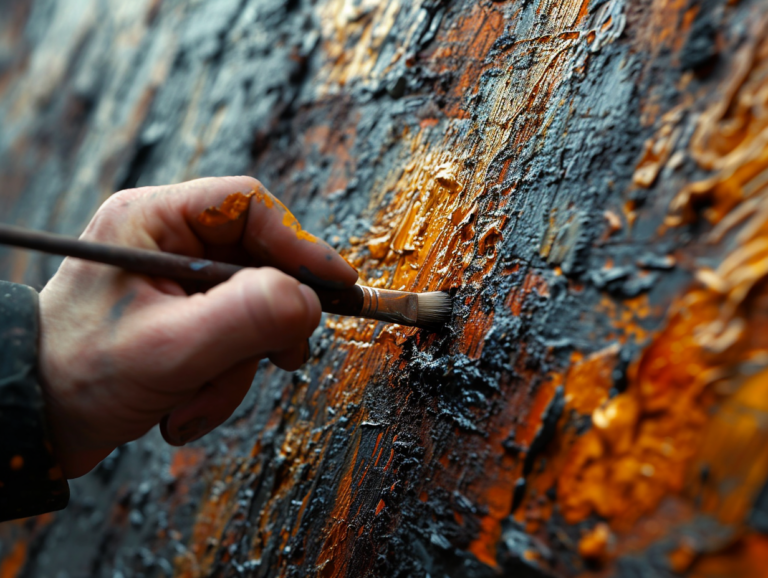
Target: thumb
(257, 312)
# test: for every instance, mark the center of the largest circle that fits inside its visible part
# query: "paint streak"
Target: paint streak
(292, 222)
(13, 564)
(589, 380)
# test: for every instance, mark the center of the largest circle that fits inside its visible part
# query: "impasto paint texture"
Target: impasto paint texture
(588, 178)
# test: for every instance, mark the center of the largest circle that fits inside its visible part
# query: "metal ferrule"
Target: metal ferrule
(391, 306)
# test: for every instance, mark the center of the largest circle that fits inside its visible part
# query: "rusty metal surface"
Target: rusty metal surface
(589, 178)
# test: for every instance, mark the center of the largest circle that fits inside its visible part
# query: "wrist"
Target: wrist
(65, 430)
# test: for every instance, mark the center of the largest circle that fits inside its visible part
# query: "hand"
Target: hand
(121, 352)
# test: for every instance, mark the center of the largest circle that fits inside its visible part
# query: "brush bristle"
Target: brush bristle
(435, 308)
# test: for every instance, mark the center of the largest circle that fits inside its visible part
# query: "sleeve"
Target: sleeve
(31, 482)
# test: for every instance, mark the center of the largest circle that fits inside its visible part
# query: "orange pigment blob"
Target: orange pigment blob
(236, 205)
(233, 207)
(291, 222)
(642, 440)
(589, 381)
(596, 544)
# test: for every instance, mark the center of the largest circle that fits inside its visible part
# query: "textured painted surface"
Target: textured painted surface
(589, 178)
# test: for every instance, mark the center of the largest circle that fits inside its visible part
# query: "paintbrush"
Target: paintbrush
(425, 310)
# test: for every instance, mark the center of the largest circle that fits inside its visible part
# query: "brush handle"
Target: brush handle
(142, 261)
(158, 264)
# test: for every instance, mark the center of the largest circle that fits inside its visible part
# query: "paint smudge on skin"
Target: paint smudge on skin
(119, 308)
(292, 222)
(236, 205)
(233, 207)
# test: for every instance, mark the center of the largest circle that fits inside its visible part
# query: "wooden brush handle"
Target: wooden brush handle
(158, 264)
(142, 261)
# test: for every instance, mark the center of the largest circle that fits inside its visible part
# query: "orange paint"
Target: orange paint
(596, 544)
(186, 461)
(733, 451)
(682, 558)
(236, 205)
(391, 457)
(642, 440)
(291, 222)
(17, 463)
(589, 381)
(14, 563)
(484, 548)
(644, 443)
(233, 207)
(746, 558)
(427, 232)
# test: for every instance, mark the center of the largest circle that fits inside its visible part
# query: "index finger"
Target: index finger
(273, 236)
(222, 217)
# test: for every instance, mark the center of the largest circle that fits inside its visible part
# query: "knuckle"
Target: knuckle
(123, 199)
(112, 212)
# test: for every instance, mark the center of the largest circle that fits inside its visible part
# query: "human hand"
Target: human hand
(120, 352)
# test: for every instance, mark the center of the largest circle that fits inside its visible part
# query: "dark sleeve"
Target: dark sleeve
(31, 482)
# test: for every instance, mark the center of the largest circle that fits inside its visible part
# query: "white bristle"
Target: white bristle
(435, 308)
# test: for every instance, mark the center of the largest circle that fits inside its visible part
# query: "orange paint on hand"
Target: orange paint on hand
(233, 207)
(236, 205)
(292, 222)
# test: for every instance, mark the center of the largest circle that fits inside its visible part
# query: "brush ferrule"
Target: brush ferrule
(391, 306)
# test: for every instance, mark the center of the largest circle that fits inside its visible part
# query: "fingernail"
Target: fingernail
(193, 429)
